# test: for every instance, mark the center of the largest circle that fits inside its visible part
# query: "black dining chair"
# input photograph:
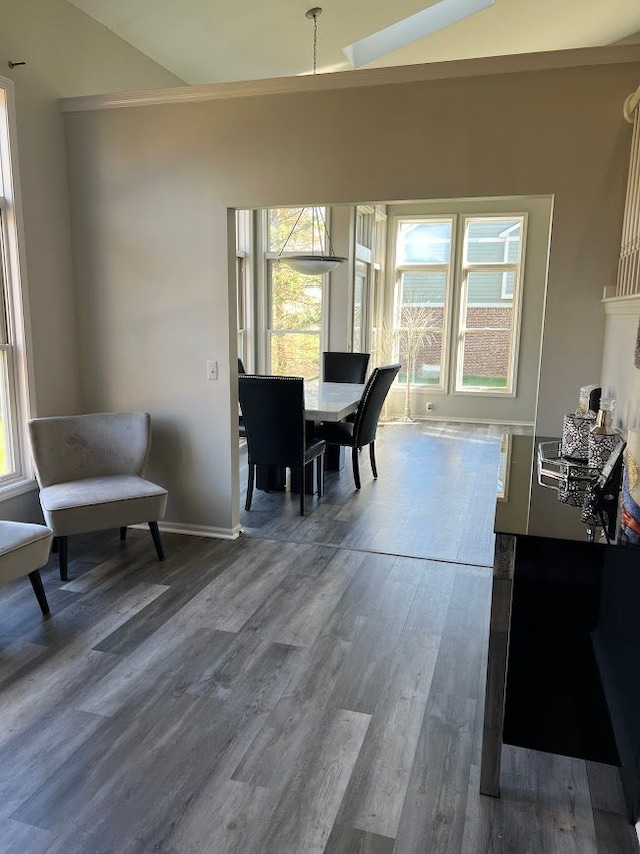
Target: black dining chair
(242, 430)
(273, 409)
(344, 367)
(362, 431)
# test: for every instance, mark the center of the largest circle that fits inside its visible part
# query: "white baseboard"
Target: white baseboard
(196, 530)
(451, 419)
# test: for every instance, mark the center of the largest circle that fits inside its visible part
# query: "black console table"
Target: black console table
(563, 671)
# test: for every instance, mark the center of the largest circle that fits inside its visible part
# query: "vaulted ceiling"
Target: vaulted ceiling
(208, 41)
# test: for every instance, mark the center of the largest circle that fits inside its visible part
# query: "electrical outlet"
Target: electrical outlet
(429, 406)
(212, 369)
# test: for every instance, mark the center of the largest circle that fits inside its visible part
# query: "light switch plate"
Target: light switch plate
(212, 369)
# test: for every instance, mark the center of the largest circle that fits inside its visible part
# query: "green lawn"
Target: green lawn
(485, 382)
(470, 381)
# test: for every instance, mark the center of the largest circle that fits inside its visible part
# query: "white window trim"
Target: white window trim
(271, 258)
(19, 363)
(449, 269)
(512, 388)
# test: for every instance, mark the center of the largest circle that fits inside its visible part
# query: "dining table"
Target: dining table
(322, 402)
(330, 401)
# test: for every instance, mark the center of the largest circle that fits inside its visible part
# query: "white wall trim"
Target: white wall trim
(18, 487)
(196, 530)
(622, 305)
(539, 61)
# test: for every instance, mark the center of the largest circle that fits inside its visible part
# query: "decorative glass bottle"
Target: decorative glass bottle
(576, 425)
(603, 436)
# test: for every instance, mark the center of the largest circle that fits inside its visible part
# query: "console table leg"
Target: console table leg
(501, 596)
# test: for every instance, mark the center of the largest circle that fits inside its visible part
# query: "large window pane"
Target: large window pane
(423, 288)
(295, 312)
(426, 367)
(420, 339)
(421, 325)
(296, 300)
(295, 354)
(486, 358)
(14, 396)
(491, 241)
(302, 229)
(488, 324)
(358, 313)
(7, 465)
(424, 242)
(423, 255)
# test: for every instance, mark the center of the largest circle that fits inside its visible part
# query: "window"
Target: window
(362, 277)
(13, 392)
(294, 301)
(469, 267)
(423, 268)
(240, 306)
(488, 305)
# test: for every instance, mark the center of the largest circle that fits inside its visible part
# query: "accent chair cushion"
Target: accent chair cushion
(98, 503)
(24, 547)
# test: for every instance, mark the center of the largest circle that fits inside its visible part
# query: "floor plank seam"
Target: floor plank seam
(253, 536)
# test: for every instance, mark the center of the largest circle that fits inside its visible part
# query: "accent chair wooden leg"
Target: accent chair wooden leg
(320, 474)
(38, 589)
(356, 467)
(247, 503)
(123, 534)
(63, 557)
(157, 542)
(372, 457)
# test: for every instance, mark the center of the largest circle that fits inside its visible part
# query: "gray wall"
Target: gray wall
(67, 54)
(151, 185)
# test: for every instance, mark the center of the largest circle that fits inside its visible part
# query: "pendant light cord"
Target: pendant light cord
(313, 13)
(315, 44)
(317, 214)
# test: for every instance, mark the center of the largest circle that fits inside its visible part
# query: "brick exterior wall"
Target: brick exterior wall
(486, 355)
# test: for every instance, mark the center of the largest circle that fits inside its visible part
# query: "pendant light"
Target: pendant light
(313, 263)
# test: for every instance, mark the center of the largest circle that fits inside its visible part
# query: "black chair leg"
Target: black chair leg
(63, 557)
(247, 503)
(372, 457)
(356, 469)
(54, 546)
(320, 474)
(157, 542)
(38, 589)
(123, 534)
(302, 490)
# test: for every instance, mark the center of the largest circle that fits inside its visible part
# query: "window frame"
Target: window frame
(15, 343)
(448, 307)
(363, 270)
(269, 258)
(463, 269)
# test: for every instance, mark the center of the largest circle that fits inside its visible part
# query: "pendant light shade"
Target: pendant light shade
(312, 263)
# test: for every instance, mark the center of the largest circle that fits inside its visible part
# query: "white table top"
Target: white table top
(331, 401)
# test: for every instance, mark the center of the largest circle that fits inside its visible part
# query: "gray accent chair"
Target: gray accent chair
(24, 548)
(90, 472)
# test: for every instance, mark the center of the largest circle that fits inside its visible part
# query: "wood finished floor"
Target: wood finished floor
(268, 697)
(434, 497)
